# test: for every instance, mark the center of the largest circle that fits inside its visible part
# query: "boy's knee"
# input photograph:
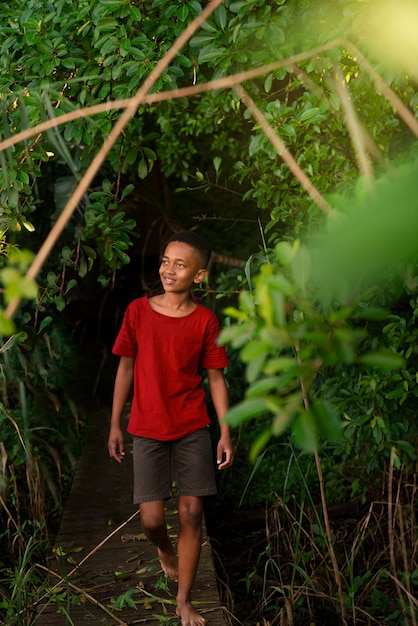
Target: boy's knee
(152, 519)
(154, 529)
(191, 513)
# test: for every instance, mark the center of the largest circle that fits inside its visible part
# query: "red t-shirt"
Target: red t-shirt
(168, 401)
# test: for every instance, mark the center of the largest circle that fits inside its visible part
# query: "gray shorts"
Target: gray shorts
(189, 461)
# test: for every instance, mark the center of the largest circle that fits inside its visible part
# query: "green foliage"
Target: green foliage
(40, 426)
(368, 235)
(283, 342)
(15, 284)
(326, 332)
(94, 52)
(20, 586)
(108, 227)
(289, 569)
(323, 357)
(308, 368)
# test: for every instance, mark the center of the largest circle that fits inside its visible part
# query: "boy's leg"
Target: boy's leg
(155, 529)
(189, 544)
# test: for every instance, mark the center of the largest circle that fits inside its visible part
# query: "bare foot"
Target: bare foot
(169, 565)
(189, 616)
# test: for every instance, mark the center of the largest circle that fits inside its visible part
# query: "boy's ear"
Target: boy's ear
(200, 276)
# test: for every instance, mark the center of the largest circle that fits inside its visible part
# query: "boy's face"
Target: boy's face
(181, 267)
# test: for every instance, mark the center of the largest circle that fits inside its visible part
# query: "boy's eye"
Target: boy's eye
(166, 262)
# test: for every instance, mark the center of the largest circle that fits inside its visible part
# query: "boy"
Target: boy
(163, 341)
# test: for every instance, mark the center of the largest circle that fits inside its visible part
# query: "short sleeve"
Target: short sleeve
(126, 343)
(213, 355)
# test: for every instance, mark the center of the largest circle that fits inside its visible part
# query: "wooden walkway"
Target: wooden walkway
(106, 572)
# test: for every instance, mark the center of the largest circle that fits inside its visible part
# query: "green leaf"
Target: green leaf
(12, 341)
(275, 36)
(111, 5)
(254, 349)
(374, 234)
(142, 168)
(301, 268)
(284, 253)
(259, 444)
(71, 283)
(372, 313)
(305, 432)
(281, 364)
(237, 6)
(110, 45)
(327, 419)
(280, 283)
(311, 116)
(59, 303)
(122, 575)
(196, 6)
(217, 163)
(89, 252)
(17, 286)
(246, 410)
(200, 40)
(47, 321)
(344, 345)
(382, 359)
(7, 326)
(135, 13)
(281, 421)
(221, 16)
(209, 53)
(406, 447)
(255, 366)
(235, 314)
(262, 387)
(257, 143)
(268, 83)
(150, 154)
(124, 258)
(127, 190)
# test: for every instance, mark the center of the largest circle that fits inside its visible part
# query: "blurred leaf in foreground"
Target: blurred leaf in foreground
(377, 233)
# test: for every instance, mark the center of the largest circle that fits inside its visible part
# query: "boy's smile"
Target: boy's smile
(181, 266)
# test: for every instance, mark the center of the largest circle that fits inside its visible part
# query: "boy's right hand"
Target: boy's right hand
(116, 444)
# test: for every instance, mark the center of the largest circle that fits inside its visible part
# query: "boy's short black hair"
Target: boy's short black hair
(196, 241)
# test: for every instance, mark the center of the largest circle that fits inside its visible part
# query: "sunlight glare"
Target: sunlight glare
(392, 33)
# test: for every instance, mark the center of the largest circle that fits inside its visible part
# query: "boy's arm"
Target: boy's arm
(122, 388)
(219, 394)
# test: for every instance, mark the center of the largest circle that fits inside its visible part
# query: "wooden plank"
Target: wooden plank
(100, 502)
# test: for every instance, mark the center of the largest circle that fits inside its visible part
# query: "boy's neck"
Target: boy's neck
(173, 303)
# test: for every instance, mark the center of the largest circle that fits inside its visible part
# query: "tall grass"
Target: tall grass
(40, 438)
(376, 554)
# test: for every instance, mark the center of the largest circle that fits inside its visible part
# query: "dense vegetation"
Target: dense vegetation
(286, 133)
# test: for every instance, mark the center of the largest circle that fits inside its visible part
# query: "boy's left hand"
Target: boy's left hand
(224, 453)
